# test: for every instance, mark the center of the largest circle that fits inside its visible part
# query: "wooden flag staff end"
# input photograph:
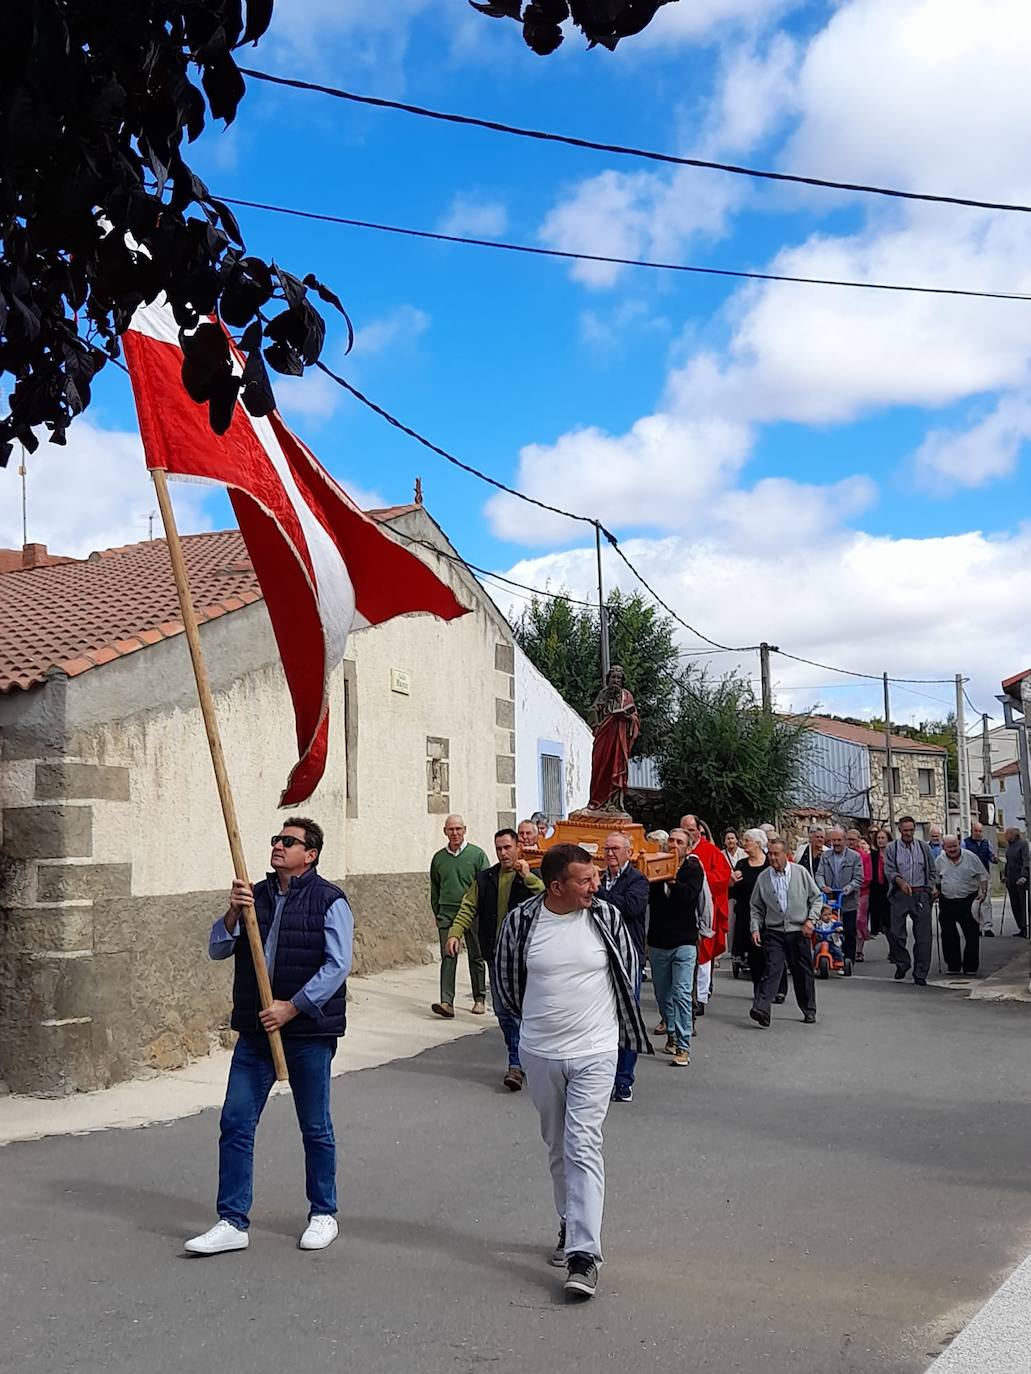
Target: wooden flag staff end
(225, 795)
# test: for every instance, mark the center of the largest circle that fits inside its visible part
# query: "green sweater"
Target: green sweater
(450, 876)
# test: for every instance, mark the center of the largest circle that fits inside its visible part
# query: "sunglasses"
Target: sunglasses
(287, 841)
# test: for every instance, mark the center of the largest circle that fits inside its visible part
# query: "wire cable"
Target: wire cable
(739, 274)
(851, 672)
(450, 457)
(622, 150)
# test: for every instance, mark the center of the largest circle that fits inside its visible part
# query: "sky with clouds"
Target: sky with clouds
(842, 473)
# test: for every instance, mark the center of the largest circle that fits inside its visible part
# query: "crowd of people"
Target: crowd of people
(561, 944)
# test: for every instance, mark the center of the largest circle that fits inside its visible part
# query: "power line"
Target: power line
(622, 150)
(450, 457)
(851, 672)
(571, 256)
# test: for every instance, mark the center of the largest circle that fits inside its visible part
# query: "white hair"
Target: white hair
(757, 836)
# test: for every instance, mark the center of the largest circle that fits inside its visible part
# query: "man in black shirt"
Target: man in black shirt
(625, 888)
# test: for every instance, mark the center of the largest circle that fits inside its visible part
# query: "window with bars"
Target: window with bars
(552, 799)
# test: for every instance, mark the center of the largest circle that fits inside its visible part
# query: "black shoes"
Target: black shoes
(582, 1278)
(780, 998)
(988, 934)
(622, 1092)
(809, 1018)
(954, 972)
(761, 1018)
(558, 1255)
(900, 973)
(919, 982)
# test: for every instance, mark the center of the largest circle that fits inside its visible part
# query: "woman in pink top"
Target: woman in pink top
(855, 841)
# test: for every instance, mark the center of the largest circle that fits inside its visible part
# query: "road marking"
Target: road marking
(998, 1339)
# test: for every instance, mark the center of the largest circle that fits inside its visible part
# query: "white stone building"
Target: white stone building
(113, 858)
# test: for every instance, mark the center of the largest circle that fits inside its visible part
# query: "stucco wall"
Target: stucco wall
(541, 714)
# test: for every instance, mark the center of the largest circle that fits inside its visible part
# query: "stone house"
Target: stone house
(845, 773)
(113, 857)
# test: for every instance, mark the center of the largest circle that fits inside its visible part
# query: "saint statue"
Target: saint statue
(616, 728)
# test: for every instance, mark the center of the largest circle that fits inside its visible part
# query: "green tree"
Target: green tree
(724, 757)
(561, 641)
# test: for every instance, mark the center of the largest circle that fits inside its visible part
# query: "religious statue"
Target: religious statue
(616, 728)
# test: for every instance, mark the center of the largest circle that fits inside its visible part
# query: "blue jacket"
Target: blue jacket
(629, 895)
(982, 849)
(300, 953)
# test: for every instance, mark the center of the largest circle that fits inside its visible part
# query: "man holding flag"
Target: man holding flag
(323, 567)
(307, 933)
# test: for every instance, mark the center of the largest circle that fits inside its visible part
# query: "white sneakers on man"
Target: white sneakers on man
(320, 1232)
(223, 1236)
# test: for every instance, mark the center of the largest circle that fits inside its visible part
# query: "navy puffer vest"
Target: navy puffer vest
(300, 953)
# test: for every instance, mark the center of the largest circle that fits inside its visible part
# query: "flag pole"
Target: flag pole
(218, 762)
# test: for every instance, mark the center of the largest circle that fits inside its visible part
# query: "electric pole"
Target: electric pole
(962, 760)
(890, 771)
(986, 756)
(764, 674)
(23, 473)
(603, 615)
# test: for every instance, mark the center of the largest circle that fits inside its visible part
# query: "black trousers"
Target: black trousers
(956, 914)
(848, 937)
(1018, 902)
(796, 951)
(757, 967)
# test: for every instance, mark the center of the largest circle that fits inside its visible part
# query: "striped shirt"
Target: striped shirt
(509, 974)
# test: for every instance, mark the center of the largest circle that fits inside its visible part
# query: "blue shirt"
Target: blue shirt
(781, 878)
(338, 931)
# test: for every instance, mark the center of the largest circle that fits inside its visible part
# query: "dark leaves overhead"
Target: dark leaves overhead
(99, 212)
(602, 22)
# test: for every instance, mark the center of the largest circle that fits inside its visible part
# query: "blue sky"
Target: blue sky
(839, 472)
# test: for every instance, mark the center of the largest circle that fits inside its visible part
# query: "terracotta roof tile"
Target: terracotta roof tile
(873, 739)
(78, 614)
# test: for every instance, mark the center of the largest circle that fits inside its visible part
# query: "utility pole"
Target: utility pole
(764, 674)
(962, 761)
(603, 615)
(986, 756)
(23, 473)
(890, 788)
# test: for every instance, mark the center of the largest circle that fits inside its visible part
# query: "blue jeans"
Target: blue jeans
(673, 981)
(626, 1060)
(509, 1029)
(251, 1076)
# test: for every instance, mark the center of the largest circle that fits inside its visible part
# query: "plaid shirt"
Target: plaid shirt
(510, 966)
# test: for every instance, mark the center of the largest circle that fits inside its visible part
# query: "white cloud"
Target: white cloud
(812, 597)
(705, 20)
(653, 215)
(474, 217)
(314, 34)
(655, 474)
(93, 493)
(987, 449)
(398, 329)
(927, 94)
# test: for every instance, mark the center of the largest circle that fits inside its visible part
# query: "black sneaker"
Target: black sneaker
(622, 1092)
(900, 973)
(762, 1018)
(558, 1255)
(919, 982)
(582, 1279)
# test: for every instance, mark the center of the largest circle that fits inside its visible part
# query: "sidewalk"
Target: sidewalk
(388, 1017)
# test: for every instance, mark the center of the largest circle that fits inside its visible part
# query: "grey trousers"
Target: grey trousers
(916, 907)
(572, 1098)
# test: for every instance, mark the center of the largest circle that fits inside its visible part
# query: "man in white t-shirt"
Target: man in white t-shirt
(566, 965)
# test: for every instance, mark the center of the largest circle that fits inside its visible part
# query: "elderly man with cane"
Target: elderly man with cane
(962, 877)
(307, 931)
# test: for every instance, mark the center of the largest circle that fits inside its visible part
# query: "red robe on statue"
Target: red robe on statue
(717, 874)
(613, 740)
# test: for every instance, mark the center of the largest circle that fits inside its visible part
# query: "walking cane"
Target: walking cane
(1002, 918)
(938, 934)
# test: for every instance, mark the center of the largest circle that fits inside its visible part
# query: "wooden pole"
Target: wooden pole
(218, 762)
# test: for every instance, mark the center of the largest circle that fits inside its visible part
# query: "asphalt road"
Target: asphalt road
(829, 1198)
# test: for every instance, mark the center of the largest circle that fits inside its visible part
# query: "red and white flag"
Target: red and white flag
(323, 566)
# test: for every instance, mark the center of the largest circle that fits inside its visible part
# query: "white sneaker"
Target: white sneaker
(320, 1232)
(222, 1236)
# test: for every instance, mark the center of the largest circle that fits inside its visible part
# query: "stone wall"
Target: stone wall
(926, 810)
(108, 983)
